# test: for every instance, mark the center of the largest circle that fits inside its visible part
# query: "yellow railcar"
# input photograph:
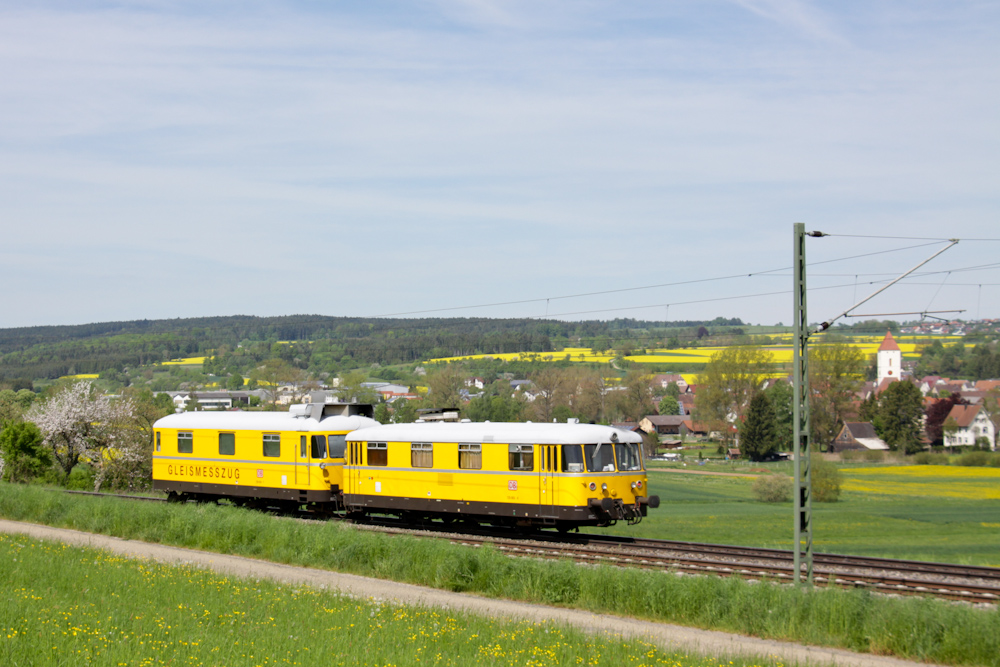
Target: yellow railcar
(257, 458)
(562, 475)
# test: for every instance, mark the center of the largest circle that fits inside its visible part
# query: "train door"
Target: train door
(317, 455)
(546, 480)
(302, 462)
(351, 473)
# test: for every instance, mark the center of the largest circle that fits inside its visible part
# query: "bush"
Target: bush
(772, 488)
(930, 459)
(22, 453)
(869, 455)
(975, 459)
(825, 482)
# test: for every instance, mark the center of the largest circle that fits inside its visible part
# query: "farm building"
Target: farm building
(857, 435)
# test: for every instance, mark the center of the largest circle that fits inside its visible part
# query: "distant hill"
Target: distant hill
(54, 351)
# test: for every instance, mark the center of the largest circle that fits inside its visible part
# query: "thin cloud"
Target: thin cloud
(797, 15)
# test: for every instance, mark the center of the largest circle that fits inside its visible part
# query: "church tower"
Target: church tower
(890, 359)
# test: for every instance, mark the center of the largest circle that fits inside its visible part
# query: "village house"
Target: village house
(857, 436)
(665, 380)
(663, 424)
(210, 400)
(972, 423)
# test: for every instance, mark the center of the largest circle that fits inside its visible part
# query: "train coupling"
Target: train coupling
(652, 501)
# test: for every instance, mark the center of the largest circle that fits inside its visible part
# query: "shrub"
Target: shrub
(869, 455)
(825, 482)
(873, 455)
(772, 488)
(930, 459)
(974, 459)
(21, 450)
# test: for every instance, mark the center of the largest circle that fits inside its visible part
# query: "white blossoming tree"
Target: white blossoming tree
(80, 424)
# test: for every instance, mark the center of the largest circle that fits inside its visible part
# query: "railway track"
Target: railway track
(969, 583)
(955, 582)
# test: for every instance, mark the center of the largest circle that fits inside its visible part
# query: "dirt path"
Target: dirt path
(670, 637)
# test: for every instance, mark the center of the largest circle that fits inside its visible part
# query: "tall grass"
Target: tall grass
(922, 629)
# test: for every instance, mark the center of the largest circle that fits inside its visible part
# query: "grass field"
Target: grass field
(940, 513)
(74, 606)
(924, 629)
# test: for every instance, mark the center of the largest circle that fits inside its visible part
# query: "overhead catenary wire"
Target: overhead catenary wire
(679, 283)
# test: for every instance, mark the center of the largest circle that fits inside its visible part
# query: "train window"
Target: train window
(378, 454)
(521, 457)
(470, 456)
(421, 455)
(227, 444)
(319, 446)
(272, 445)
(338, 443)
(600, 458)
(185, 442)
(158, 440)
(628, 456)
(572, 458)
(303, 447)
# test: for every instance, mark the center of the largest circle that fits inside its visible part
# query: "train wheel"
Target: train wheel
(174, 497)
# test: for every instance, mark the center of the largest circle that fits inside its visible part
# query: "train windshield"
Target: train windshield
(628, 456)
(338, 443)
(600, 458)
(572, 458)
(319, 447)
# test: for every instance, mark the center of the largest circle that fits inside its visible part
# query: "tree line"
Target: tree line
(52, 352)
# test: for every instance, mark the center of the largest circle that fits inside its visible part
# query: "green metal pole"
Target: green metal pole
(800, 409)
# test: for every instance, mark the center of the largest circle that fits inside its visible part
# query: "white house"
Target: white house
(972, 423)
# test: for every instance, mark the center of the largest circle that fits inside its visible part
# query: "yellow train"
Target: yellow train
(264, 459)
(562, 475)
(337, 459)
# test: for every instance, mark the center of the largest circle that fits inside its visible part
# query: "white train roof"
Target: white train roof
(503, 432)
(262, 421)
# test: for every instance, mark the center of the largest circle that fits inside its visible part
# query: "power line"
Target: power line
(642, 287)
(696, 301)
(905, 238)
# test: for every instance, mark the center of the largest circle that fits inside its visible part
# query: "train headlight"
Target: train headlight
(593, 487)
(604, 487)
(634, 487)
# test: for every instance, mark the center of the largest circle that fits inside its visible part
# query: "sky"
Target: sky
(478, 158)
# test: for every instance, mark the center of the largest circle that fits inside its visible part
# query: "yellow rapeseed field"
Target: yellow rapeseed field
(936, 481)
(187, 361)
(781, 354)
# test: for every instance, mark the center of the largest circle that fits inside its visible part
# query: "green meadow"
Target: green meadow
(939, 513)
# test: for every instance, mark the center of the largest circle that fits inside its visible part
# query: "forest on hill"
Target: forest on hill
(339, 343)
